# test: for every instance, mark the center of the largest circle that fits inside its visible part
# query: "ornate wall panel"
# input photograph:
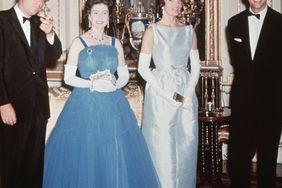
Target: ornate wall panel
(212, 32)
(209, 83)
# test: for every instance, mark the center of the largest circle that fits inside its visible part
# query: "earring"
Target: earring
(108, 25)
(89, 24)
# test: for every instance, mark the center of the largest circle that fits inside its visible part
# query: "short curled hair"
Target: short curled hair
(87, 9)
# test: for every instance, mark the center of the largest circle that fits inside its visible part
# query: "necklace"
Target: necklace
(91, 35)
(169, 23)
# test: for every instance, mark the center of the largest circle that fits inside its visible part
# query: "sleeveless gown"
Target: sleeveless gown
(96, 142)
(171, 132)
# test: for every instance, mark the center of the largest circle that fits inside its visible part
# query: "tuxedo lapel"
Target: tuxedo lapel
(35, 33)
(18, 28)
(246, 35)
(264, 32)
(33, 38)
(30, 50)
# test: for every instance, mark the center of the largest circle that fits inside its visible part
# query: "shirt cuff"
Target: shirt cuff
(51, 38)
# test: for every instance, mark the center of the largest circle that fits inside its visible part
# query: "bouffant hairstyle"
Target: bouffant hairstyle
(87, 10)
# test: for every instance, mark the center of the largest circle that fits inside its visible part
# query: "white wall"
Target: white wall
(65, 14)
(6, 4)
(277, 5)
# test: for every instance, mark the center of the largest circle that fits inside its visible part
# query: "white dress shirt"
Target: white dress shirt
(26, 25)
(255, 26)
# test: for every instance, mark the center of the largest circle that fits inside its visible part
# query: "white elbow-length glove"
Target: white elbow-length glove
(146, 73)
(194, 77)
(123, 76)
(75, 81)
(71, 79)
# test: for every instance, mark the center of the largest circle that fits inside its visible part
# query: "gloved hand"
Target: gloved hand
(102, 85)
(102, 81)
(188, 100)
(123, 76)
(146, 73)
(103, 75)
(169, 96)
(106, 82)
(194, 77)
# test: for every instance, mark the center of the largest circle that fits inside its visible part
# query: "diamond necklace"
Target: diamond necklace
(91, 35)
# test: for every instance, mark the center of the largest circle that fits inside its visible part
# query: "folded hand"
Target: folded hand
(168, 95)
(102, 85)
(187, 102)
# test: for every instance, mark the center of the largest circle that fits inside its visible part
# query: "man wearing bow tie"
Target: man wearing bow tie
(27, 42)
(255, 38)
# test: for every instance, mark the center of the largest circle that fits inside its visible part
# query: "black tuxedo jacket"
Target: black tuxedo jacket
(23, 80)
(257, 87)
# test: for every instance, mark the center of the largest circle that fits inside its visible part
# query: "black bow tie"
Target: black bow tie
(25, 19)
(252, 14)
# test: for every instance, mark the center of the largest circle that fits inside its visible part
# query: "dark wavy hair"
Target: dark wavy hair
(87, 9)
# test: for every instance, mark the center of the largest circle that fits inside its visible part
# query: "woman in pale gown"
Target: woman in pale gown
(170, 121)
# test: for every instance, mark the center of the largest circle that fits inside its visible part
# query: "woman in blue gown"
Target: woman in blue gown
(96, 142)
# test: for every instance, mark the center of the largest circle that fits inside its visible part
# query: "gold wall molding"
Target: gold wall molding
(211, 70)
(81, 5)
(212, 26)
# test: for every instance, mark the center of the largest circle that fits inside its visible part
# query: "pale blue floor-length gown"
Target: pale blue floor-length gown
(171, 132)
(96, 142)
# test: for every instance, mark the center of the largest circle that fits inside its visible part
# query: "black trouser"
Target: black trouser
(246, 139)
(22, 153)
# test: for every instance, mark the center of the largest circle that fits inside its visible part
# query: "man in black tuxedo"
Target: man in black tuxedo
(27, 42)
(255, 37)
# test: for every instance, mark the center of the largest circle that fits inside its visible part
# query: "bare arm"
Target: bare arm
(147, 41)
(145, 71)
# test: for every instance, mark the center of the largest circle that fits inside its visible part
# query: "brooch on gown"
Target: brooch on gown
(89, 50)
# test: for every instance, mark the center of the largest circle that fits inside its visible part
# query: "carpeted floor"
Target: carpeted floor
(224, 182)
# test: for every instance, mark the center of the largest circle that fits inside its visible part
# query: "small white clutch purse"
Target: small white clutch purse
(104, 75)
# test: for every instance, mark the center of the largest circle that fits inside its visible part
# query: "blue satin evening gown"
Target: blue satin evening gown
(96, 142)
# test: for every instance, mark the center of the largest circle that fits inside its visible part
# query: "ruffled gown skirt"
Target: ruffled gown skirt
(96, 144)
